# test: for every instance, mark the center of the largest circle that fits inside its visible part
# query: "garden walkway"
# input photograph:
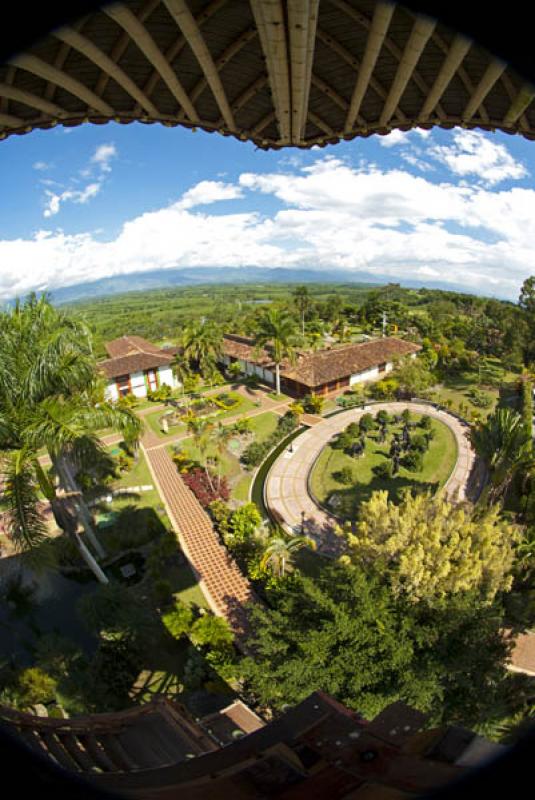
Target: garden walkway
(223, 584)
(286, 490)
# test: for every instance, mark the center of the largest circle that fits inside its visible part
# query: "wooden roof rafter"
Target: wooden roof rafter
(376, 37)
(10, 121)
(488, 79)
(120, 46)
(42, 69)
(227, 55)
(32, 100)
(124, 17)
(185, 20)
(421, 31)
(270, 21)
(81, 43)
(520, 99)
(302, 24)
(454, 58)
(356, 65)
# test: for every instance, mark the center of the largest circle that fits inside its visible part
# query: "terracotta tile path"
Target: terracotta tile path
(223, 584)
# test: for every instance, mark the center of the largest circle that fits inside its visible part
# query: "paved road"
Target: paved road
(286, 489)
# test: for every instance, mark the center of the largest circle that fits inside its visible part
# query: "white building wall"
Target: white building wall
(110, 392)
(137, 381)
(165, 375)
(368, 375)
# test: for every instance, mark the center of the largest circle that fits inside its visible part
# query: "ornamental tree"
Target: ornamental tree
(430, 549)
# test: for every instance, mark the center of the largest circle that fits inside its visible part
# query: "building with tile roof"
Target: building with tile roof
(135, 366)
(323, 372)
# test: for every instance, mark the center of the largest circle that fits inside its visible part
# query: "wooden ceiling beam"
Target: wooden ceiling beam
(176, 48)
(249, 93)
(458, 50)
(389, 45)
(227, 55)
(9, 121)
(119, 48)
(264, 122)
(376, 37)
(520, 100)
(144, 41)
(321, 124)
(271, 24)
(302, 23)
(32, 100)
(49, 73)
(420, 34)
(489, 78)
(186, 22)
(327, 90)
(355, 64)
(461, 71)
(98, 57)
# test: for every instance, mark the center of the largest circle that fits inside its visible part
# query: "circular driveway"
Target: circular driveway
(286, 489)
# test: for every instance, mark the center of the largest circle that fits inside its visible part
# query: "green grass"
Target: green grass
(280, 397)
(264, 425)
(230, 465)
(242, 407)
(456, 388)
(438, 463)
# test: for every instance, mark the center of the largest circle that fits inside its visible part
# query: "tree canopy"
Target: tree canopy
(431, 549)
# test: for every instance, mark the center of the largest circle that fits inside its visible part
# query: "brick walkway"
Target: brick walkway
(286, 489)
(221, 581)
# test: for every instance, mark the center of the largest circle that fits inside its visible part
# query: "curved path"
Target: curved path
(286, 489)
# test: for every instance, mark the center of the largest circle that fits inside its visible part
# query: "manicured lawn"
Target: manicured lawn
(438, 463)
(456, 389)
(280, 397)
(230, 466)
(243, 405)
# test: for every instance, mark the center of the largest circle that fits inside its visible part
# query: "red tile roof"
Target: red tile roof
(130, 354)
(324, 366)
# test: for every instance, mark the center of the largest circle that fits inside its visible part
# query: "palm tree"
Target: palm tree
(221, 438)
(502, 444)
(200, 429)
(181, 371)
(280, 551)
(202, 344)
(50, 398)
(302, 301)
(277, 333)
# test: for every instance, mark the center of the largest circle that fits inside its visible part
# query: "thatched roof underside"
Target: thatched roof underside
(299, 72)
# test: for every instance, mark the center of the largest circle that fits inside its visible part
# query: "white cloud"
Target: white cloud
(396, 136)
(41, 166)
(82, 196)
(330, 215)
(103, 155)
(473, 153)
(207, 192)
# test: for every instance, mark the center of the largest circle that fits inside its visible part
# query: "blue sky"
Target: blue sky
(89, 202)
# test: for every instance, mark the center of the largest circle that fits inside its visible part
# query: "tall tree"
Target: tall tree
(50, 398)
(302, 301)
(344, 633)
(202, 343)
(276, 333)
(502, 443)
(430, 549)
(280, 552)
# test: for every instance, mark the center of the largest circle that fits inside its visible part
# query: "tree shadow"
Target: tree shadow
(353, 496)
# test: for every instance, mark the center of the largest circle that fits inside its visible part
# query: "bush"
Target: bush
(353, 430)
(313, 403)
(159, 395)
(344, 475)
(413, 461)
(406, 416)
(226, 401)
(212, 632)
(383, 417)
(419, 443)
(179, 620)
(479, 398)
(383, 470)
(426, 423)
(204, 490)
(366, 423)
(36, 686)
(385, 389)
(254, 454)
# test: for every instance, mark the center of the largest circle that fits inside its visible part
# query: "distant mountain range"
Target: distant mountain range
(164, 278)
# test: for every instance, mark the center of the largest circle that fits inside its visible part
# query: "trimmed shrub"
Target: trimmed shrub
(413, 461)
(366, 423)
(344, 475)
(419, 443)
(313, 403)
(383, 417)
(205, 490)
(254, 454)
(425, 423)
(479, 398)
(383, 470)
(179, 620)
